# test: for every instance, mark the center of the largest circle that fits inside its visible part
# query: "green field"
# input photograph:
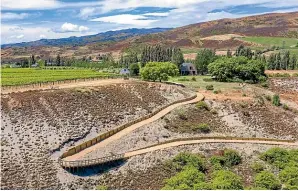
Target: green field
(273, 41)
(202, 81)
(22, 76)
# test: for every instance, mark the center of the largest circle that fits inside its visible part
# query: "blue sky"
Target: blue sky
(28, 20)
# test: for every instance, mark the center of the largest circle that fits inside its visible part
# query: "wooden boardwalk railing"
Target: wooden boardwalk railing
(103, 136)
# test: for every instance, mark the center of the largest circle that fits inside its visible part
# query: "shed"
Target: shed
(188, 69)
(124, 71)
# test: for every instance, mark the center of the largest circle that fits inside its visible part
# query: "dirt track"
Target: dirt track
(66, 85)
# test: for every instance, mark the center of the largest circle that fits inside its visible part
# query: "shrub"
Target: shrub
(267, 180)
(285, 107)
(182, 115)
(193, 79)
(257, 167)
(217, 162)
(288, 173)
(101, 187)
(292, 184)
(276, 100)
(203, 127)
(268, 97)
(217, 91)
(231, 157)
(209, 87)
(226, 180)
(264, 84)
(185, 179)
(202, 105)
(277, 156)
(185, 159)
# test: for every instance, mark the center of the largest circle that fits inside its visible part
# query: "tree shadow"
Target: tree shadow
(96, 169)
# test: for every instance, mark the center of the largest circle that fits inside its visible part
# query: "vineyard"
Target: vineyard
(22, 76)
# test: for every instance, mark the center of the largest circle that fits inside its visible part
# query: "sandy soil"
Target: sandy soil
(102, 82)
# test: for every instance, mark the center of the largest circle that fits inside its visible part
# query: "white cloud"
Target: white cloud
(43, 4)
(126, 19)
(89, 11)
(20, 36)
(69, 27)
(33, 33)
(157, 14)
(14, 16)
(42, 36)
(28, 4)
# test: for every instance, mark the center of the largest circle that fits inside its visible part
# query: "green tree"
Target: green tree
(226, 180)
(58, 60)
(159, 71)
(177, 57)
(185, 179)
(203, 59)
(41, 63)
(134, 69)
(293, 63)
(267, 180)
(244, 51)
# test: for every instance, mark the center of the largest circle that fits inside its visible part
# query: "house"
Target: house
(124, 71)
(188, 69)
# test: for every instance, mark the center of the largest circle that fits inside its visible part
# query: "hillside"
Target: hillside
(83, 40)
(219, 34)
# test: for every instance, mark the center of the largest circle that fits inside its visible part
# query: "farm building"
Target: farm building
(124, 71)
(188, 69)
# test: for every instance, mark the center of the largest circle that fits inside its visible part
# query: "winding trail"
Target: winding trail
(131, 128)
(188, 142)
(77, 161)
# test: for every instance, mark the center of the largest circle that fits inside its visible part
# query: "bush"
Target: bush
(268, 97)
(182, 160)
(226, 180)
(217, 162)
(276, 156)
(185, 179)
(231, 157)
(101, 187)
(160, 71)
(182, 115)
(285, 107)
(202, 105)
(203, 127)
(217, 91)
(267, 180)
(276, 100)
(288, 173)
(193, 79)
(257, 167)
(209, 87)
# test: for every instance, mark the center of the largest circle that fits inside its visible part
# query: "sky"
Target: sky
(29, 20)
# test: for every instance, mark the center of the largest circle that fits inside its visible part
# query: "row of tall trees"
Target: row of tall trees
(282, 61)
(161, 54)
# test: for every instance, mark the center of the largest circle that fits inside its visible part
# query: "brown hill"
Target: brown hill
(219, 34)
